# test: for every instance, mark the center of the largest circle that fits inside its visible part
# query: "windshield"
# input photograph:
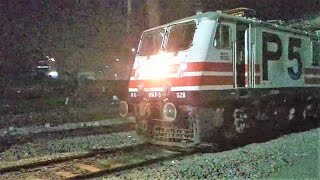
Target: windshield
(151, 42)
(180, 37)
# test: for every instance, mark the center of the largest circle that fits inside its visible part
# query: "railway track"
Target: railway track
(8, 141)
(94, 164)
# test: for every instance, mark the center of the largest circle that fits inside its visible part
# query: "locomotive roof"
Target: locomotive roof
(222, 16)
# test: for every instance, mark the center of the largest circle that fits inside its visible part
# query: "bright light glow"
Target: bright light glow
(133, 50)
(52, 59)
(53, 74)
(117, 59)
(184, 66)
(156, 68)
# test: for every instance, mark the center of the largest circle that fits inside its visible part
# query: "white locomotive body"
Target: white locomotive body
(216, 77)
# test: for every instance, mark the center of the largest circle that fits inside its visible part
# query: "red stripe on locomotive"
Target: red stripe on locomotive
(205, 66)
(209, 66)
(195, 80)
(312, 71)
(312, 81)
(199, 66)
(184, 81)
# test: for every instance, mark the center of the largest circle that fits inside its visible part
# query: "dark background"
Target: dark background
(88, 35)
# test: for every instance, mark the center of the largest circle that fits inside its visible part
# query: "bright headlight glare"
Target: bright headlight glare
(156, 67)
(183, 66)
(169, 112)
(155, 70)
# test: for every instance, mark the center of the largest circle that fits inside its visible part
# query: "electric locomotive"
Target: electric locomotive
(214, 77)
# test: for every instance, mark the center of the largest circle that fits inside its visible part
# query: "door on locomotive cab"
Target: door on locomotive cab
(224, 37)
(243, 61)
(241, 77)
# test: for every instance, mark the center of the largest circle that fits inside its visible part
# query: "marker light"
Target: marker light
(53, 74)
(123, 108)
(169, 112)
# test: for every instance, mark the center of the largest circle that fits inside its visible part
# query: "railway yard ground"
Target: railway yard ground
(293, 156)
(29, 134)
(43, 138)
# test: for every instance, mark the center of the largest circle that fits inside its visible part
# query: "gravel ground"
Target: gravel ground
(62, 127)
(253, 161)
(58, 115)
(74, 144)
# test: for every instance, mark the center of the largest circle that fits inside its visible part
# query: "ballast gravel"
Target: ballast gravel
(254, 161)
(72, 144)
(29, 130)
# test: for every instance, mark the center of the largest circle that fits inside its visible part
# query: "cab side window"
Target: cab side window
(222, 39)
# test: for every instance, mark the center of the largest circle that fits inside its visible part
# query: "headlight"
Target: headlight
(123, 108)
(169, 112)
(154, 70)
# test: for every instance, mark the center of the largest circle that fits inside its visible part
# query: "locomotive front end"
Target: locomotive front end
(157, 87)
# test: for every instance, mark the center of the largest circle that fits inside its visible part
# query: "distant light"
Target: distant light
(52, 59)
(133, 50)
(107, 66)
(117, 59)
(42, 67)
(53, 74)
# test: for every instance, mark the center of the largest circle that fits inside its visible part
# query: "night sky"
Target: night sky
(266, 9)
(274, 9)
(33, 27)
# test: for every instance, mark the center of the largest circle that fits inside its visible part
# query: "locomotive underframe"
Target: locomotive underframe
(229, 116)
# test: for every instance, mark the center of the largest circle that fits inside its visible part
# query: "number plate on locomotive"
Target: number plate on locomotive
(154, 94)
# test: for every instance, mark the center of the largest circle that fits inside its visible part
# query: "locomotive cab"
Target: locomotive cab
(203, 77)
